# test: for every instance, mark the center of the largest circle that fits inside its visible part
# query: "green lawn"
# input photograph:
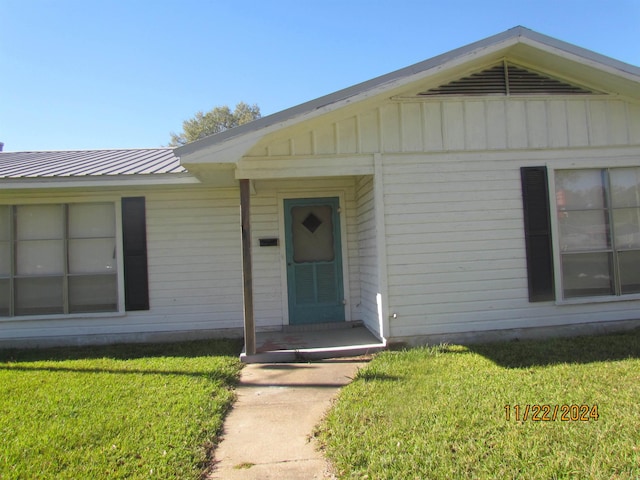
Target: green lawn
(128, 411)
(441, 413)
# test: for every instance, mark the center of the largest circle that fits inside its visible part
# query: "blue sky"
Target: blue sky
(93, 74)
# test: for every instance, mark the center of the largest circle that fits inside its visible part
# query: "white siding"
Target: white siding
(194, 258)
(455, 244)
(267, 281)
(454, 238)
(367, 253)
(193, 243)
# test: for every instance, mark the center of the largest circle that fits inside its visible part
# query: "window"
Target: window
(598, 213)
(58, 259)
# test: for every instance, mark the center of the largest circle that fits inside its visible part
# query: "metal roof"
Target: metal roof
(82, 163)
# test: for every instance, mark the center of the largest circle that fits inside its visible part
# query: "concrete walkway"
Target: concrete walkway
(267, 435)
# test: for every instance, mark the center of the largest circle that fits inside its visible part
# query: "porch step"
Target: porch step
(312, 354)
(315, 327)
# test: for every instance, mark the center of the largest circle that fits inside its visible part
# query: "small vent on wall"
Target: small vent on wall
(508, 79)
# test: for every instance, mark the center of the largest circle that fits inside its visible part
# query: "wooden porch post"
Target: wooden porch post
(247, 275)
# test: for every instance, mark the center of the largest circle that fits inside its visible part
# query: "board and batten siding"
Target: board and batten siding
(194, 270)
(466, 124)
(269, 276)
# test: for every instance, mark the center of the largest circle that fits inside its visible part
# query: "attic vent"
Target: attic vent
(507, 79)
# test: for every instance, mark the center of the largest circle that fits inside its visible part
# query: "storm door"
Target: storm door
(314, 260)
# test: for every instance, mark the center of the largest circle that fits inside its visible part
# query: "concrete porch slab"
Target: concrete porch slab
(313, 343)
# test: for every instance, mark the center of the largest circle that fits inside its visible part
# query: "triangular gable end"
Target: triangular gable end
(507, 78)
(586, 73)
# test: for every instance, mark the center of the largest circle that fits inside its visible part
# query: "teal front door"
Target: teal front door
(314, 260)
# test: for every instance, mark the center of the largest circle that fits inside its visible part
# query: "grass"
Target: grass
(128, 411)
(440, 412)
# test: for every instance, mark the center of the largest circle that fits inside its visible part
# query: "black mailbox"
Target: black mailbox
(268, 242)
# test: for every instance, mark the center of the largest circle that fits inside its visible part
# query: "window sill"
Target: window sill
(603, 299)
(68, 316)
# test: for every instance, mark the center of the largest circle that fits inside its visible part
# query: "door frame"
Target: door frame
(292, 195)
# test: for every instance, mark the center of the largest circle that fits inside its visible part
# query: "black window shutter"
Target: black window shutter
(537, 231)
(134, 240)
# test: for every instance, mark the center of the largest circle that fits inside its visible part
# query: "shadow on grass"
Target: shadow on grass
(586, 349)
(129, 351)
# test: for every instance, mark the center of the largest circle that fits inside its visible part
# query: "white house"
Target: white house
(490, 191)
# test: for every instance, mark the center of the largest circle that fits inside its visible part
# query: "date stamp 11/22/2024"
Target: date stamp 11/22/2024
(551, 413)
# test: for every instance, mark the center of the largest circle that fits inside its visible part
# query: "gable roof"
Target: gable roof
(236, 141)
(84, 163)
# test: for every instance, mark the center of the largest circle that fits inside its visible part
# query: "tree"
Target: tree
(216, 120)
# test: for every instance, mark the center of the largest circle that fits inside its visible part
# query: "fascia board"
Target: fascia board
(581, 55)
(98, 181)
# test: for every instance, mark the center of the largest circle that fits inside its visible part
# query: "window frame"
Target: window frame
(119, 261)
(617, 296)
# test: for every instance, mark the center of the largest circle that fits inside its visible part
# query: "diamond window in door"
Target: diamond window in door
(312, 222)
(312, 233)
